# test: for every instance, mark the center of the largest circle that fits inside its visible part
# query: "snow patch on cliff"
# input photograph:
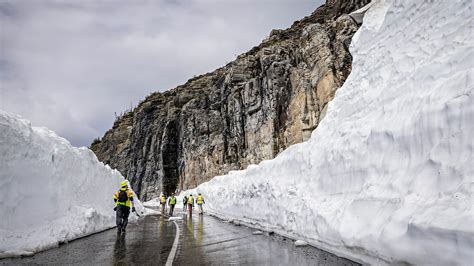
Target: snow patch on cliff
(50, 192)
(388, 174)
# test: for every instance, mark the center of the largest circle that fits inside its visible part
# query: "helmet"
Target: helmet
(124, 183)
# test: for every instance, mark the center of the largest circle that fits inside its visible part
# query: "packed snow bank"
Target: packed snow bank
(50, 192)
(301, 243)
(388, 174)
(155, 202)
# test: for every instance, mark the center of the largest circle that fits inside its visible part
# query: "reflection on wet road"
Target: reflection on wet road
(204, 240)
(146, 243)
(209, 241)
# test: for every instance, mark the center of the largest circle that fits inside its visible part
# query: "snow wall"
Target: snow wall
(50, 192)
(387, 176)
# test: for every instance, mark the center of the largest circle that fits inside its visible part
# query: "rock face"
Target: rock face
(247, 111)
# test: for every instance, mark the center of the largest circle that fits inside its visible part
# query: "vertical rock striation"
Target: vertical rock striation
(269, 98)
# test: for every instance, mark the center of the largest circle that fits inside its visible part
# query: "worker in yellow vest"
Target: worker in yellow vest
(172, 203)
(163, 203)
(190, 204)
(200, 201)
(123, 198)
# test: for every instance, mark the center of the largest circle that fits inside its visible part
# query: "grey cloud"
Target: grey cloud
(70, 65)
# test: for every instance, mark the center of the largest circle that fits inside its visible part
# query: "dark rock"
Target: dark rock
(269, 98)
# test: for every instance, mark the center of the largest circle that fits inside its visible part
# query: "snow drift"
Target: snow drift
(387, 176)
(50, 192)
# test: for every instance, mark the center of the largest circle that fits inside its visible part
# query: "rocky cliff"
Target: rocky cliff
(269, 98)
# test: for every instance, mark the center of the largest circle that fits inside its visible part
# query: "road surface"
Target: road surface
(203, 240)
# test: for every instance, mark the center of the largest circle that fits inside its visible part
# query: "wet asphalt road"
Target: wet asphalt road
(204, 240)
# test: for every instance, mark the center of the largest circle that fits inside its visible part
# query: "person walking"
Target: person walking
(200, 201)
(163, 203)
(172, 203)
(185, 203)
(190, 204)
(123, 198)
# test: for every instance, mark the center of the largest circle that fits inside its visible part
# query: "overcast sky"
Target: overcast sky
(70, 65)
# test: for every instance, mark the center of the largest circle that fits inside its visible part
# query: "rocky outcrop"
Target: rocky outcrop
(247, 111)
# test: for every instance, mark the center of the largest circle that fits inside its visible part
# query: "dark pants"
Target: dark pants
(121, 216)
(171, 209)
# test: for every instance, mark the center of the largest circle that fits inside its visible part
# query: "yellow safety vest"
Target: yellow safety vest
(200, 199)
(190, 200)
(172, 200)
(129, 196)
(162, 199)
